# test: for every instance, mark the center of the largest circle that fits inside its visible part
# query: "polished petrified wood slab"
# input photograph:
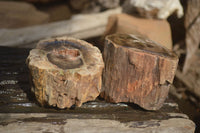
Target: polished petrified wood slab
(65, 71)
(137, 70)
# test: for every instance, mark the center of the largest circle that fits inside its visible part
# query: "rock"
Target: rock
(152, 29)
(160, 9)
(137, 70)
(192, 26)
(65, 71)
(20, 14)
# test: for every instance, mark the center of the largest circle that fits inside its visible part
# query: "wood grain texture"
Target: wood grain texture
(65, 71)
(137, 70)
(80, 26)
(192, 79)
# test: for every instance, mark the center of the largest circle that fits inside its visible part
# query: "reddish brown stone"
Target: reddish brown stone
(65, 71)
(137, 70)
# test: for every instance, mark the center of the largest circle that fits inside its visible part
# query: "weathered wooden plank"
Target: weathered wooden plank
(65, 71)
(80, 26)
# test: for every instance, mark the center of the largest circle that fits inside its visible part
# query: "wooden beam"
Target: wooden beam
(80, 26)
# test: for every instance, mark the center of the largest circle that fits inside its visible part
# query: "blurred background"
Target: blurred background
(174, 24)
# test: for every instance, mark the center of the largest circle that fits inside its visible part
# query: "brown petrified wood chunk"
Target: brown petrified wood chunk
(65, 71)
(137, 70)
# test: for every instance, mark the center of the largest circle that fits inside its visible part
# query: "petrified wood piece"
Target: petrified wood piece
(191, 79)
(65, 71)
(137, 70)
(79, 26)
